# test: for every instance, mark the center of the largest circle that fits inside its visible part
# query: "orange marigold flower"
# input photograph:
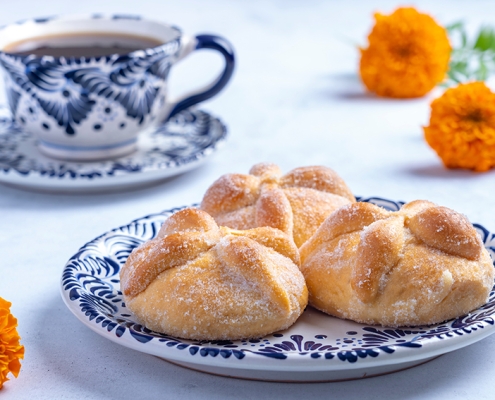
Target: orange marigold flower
(11, 351)
(462, 127)
(407, 56)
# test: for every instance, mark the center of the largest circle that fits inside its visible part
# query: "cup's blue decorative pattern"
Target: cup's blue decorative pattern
(67, 89)
(91, 280)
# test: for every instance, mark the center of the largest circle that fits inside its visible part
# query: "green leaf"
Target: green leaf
(464, 38)
(459, 25)
(486, 39)
(470, 59)
(482, 73)
(455, 76)
(460, 66)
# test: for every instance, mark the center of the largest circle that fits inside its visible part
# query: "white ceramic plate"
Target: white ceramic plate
(176, 146)
(316, 348)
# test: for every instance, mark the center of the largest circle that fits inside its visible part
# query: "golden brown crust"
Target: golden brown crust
(229, 193)
(421, 265)
(319, 178)
(296, 203)
(415, 206)
(347, 219)
(448, 231)
(214, 283)
(273, 238)
(270, 173)
(274, 210)
(377, 253)
(242, 219)
(157, 255)
(309, 209)
(189, 219)
(252, 264)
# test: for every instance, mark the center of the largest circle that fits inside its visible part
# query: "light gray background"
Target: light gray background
(295, 100)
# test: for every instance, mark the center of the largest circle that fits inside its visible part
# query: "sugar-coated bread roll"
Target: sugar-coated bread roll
(296, 203)
(421, 265)
(197, 280)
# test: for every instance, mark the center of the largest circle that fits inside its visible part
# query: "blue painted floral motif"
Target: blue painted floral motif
(13, 97)
(134, 82)
(45, 80)
(107, 111)
(9, 157)
(186, 138)
(67, 88)
(91, 279)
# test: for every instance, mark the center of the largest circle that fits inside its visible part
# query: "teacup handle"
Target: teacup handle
(205, 42)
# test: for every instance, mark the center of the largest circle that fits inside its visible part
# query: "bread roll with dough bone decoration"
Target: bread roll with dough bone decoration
(197, 280)
(421, 265)
(296, 203)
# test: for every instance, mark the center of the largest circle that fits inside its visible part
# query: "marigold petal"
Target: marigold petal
(15, 367)
(11, 351)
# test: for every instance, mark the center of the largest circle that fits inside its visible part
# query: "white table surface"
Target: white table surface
(295, 100)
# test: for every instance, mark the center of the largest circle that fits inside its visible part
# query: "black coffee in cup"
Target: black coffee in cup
(90, 44)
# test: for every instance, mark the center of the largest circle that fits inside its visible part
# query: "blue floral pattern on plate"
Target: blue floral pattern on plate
(90, 288)
(178, 145)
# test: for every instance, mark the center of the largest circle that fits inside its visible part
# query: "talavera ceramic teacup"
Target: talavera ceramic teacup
(88, 108)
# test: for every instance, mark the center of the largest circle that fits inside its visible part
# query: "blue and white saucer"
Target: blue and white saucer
(316, 348)
(179, 145)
